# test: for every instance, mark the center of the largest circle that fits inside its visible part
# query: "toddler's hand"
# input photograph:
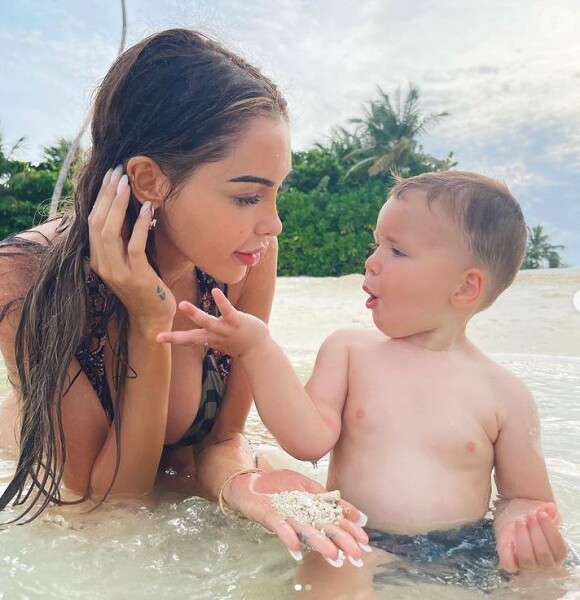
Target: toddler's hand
(234, 333)
(531, 540)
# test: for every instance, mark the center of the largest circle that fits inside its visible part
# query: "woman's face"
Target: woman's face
(225, 214)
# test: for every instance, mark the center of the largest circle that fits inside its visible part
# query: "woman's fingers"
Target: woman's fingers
(111, 231)
(274, 522)
(343, 540)
(356, 531)
(353, 514)
(138, 239)
(106, 244)
(316, 539)
(105, 198)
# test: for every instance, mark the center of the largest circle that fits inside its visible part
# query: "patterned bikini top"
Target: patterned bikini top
(215, 368)
(90, 354)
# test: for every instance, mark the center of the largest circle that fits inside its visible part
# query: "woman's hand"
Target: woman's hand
(249, 494)
(122, 263)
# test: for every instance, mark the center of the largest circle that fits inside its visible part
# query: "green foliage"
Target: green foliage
(386, 137)
(315, 169)
(330, 209)
(32, 185)
(26, 188)
(328, 233)
(18, 215)
(540, 253)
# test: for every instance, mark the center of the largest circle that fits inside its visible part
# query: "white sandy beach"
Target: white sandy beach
(535, 315)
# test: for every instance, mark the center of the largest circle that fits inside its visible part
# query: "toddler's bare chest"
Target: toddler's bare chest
(444, 417)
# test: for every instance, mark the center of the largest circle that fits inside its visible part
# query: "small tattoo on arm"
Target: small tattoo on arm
(161, 292)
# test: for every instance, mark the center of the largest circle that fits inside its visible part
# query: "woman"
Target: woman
(201, 143)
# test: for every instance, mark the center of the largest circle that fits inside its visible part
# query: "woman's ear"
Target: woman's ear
(147, 180)
(470, 292)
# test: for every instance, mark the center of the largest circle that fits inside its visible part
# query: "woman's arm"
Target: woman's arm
(143, 403)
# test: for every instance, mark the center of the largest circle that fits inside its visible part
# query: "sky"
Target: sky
(508, 72)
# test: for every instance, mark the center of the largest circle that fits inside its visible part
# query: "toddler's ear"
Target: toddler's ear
(470, 291)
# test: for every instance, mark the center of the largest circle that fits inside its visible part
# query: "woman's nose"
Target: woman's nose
(270, 224)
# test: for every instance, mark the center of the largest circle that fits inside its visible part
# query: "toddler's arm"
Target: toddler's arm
(526, 518)
(306, 422)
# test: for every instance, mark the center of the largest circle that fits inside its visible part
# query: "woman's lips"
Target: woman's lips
(250, 259)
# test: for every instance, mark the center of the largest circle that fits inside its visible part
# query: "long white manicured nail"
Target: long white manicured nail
(337, 562)
(122, 185)
(116, 174)
(356, 562)
(146, 206)
(362, 519)
(107, 177)
(296, 555)
(365, 547)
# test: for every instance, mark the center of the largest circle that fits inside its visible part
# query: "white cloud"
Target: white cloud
(499, 68)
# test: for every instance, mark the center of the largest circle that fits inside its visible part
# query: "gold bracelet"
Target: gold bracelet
(221, 500)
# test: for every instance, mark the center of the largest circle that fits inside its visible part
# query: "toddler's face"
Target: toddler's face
(418, 261)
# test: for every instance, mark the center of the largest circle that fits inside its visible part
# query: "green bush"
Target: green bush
(17, 215)
(328, 233)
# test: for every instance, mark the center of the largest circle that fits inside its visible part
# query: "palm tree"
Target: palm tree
(388, 134)
(342, 144)
(539, 251)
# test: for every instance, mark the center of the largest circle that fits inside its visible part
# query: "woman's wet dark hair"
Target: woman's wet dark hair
(179, 98)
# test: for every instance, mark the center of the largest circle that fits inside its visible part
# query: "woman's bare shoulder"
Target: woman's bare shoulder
(19, 259)
(42, 234)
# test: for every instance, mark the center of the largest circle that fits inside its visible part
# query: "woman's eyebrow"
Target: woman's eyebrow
(253, 179)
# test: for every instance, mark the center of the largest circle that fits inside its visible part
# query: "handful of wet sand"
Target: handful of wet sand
(313, 509)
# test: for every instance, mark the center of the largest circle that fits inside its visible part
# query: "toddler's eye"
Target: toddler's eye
(246, 200)
(373, 246)
(396, 252)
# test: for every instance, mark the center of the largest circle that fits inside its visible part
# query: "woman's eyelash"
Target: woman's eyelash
(246, 200)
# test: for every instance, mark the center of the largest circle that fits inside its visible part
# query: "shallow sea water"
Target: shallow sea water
(184, 548)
